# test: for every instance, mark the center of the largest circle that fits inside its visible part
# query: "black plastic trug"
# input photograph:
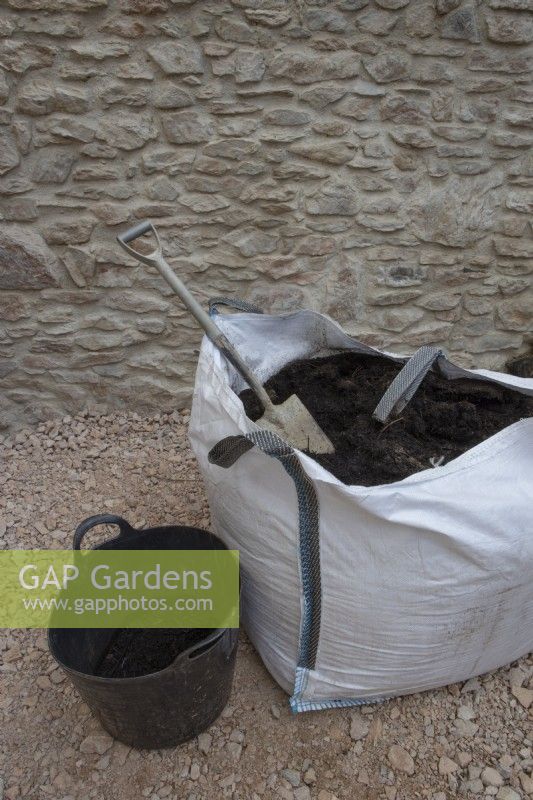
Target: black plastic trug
(165, 708)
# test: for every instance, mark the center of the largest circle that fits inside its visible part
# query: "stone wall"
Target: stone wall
(369, 159)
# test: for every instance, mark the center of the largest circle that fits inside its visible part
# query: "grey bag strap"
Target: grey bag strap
(406, 382)
(224, 454)
(232, 302)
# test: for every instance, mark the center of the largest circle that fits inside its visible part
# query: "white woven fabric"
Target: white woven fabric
(424, 582)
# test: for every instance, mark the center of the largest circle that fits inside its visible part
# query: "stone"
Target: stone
(57, 129)
(217, 49)
(380, 223)
(491, 777)
(69, 231)
(168, 95)
(457, 133)
(465, 728)
(310, 777)
(359, 108)
(523, 695)
(461, 24)
(36, 97)
(327, 153)
(480, 110)
(415, 137)
(392, 4)
(203, 204)
(358, 727)
(250, 242)
(9, 155)
(53, 165)
(234, 149)
(135, 69)
(485, 61)
(458, 151)
(292, 776)
(316, 246)
(304, 67)
(124, 27)
(447, 766)
(163, 189)
(19, 57)
(136, 302)
(455, 215)
(506, 139)
(271, 18)
(171, 162)
(64, 25)
(404, 110)
(379, 23)
(120, 93)
(510, 28)
(442, 106)
(514, 5)
(187, 127)
(128, 131)
(51, 5)
(249, 66)
(25, 260)
(319, 19)
(79, 264)
(335, 128)
(436, 49)
(486, 84)
(97, 150)
(388, 67)
(520, 117)
(99, 49)
(285, 116)
(4, 88)
(400, 759)
(322, 96)
(204, 743)
(515, 248)
(233, 30)
(224, 66)
(177, 58)
(433, 72)
(147, 7)
(525, 779)
(22, 209)
(420, 20)
(445, 6)
(506, 793)
(237, 127)
(336, 201)
(235, 750)
(523, 204)
(96, 743)
(71, 100)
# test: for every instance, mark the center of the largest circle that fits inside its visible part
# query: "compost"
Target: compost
(141, 651)
(444, 419)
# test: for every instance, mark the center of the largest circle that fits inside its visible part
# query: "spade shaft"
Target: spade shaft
(291, 420)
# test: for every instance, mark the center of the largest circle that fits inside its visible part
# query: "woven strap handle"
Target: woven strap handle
(406, 382)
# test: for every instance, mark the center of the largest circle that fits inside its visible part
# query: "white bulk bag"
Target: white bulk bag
(352, 594)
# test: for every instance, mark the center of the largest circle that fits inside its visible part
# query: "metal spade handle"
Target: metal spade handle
(157, 260)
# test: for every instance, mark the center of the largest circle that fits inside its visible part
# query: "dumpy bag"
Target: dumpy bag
(352, 594)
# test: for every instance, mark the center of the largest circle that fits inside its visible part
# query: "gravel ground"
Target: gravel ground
(466, 740)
